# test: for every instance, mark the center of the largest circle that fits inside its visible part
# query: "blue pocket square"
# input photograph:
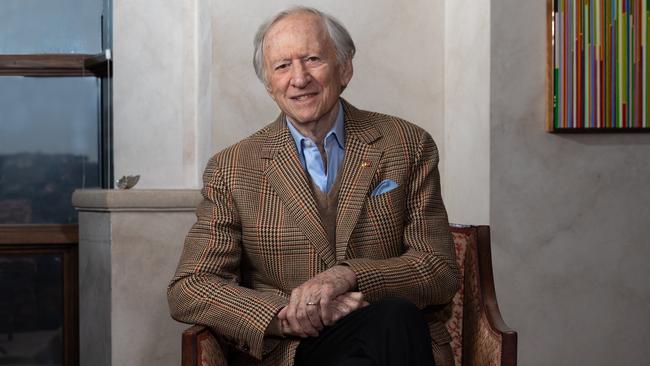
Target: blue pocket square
(385, 186)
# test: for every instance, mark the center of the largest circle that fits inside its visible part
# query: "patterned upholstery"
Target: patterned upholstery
(475, 340)
(455, 322)
(481, 342)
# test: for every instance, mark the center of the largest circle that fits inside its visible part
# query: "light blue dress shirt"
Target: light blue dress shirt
(310, 157)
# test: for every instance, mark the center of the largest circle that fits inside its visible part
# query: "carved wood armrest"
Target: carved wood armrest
(201, 348)
(492, 341)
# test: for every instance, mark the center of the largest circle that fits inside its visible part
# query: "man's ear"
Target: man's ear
(346, 72)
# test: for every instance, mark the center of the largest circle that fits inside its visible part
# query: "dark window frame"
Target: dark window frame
(55, 65)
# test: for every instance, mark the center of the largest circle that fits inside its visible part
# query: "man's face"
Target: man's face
(302, 73)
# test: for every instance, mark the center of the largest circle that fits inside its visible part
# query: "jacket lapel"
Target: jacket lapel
(360, 165)
(287, 177)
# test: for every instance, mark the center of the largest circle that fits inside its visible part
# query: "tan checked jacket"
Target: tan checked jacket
(258, 233)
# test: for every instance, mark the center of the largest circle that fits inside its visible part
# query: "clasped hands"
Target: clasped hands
(321, 301)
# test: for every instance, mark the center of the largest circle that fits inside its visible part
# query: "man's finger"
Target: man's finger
(303, 320)
(291, 313)
(325, 312)
(314, 316)
(357, 295)
(310, 300)
(341, 310)
(286, 329)
(353, 301)
(293, 322)
(282, 314)
(301, 296)
(311, 292)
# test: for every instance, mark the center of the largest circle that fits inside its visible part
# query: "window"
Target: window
(55, 137)
(49, 146)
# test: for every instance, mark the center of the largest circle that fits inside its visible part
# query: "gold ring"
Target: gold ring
(311, 303)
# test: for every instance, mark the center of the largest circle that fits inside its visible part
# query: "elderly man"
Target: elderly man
(322, 236)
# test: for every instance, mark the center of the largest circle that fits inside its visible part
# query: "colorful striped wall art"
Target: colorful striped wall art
(599, 65)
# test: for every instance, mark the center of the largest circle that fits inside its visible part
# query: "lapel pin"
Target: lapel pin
(365, 164)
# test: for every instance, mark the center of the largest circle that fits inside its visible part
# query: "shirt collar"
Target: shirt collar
(338, 130)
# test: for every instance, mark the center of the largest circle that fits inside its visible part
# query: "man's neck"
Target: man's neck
(317, 130)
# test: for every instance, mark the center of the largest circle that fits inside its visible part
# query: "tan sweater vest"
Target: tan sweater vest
(327, 204)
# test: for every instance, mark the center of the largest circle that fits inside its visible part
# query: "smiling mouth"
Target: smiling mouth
(303, 97)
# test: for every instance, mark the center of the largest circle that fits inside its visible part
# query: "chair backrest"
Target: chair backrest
(474, 306)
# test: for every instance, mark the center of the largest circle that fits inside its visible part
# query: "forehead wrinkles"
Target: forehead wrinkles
(294, 34)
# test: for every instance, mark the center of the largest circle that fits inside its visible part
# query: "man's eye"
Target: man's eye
(313, 58)
(281, 66)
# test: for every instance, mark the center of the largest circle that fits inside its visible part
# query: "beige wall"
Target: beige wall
(466, 179)
(569, 215)
(155, 92)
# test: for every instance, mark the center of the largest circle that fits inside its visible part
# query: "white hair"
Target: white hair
(340, 36)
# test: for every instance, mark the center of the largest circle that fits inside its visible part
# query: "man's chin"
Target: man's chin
(302, 120)
(302, 117)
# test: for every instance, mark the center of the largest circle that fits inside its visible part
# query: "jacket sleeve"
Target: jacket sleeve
(205, 289)
(426, 273)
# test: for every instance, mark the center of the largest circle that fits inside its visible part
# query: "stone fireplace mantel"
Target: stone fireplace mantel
(129, 245)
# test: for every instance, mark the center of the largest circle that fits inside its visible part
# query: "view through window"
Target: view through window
(50, 146)
(55, 137)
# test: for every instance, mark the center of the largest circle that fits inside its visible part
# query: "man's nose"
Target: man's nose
(299, 75)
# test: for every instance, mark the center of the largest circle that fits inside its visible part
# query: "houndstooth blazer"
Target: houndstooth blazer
(258, 233)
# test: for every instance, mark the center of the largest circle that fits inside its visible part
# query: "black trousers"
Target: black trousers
(390, 332)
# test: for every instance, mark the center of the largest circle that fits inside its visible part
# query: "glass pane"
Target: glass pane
(48, 146)
(52, 26)
(31, 309)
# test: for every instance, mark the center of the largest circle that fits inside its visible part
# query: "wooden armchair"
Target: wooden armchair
(479, 334)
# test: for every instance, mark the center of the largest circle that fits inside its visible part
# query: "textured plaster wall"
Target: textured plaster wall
(569, 215)
(156, 104)
(467, 111)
